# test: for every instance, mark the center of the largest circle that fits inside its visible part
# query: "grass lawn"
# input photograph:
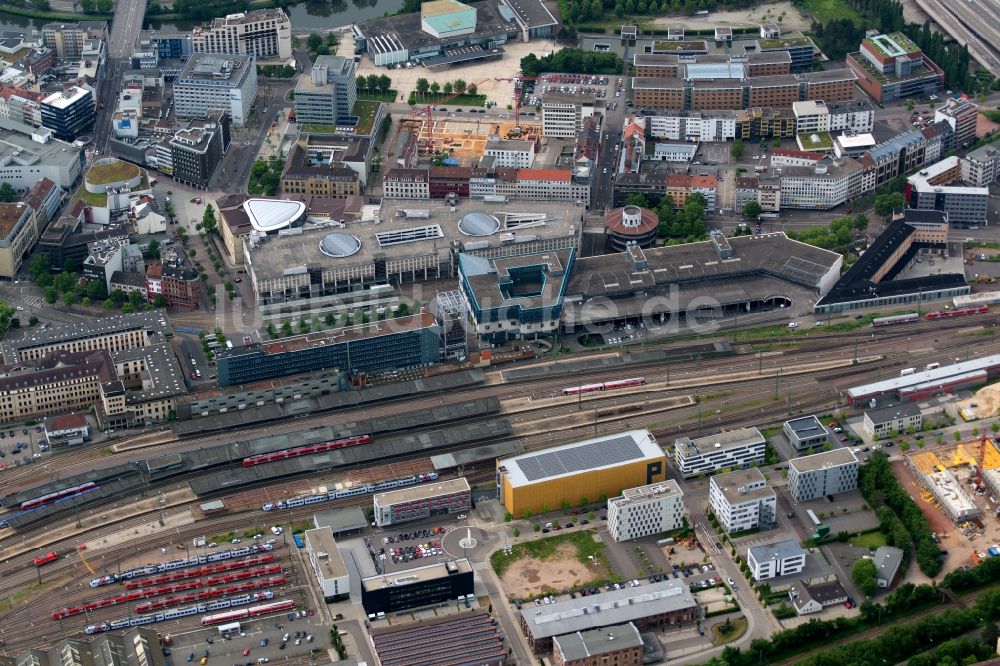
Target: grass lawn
(317, 128)
(723, 633)
(871, 540)
(828, 10)
(90, 198)
(112, 173)
(365, 111)
(388, 97)
(30, 591)
(546, 548)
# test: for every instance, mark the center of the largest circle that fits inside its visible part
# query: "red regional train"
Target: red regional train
(203, 571)
(958, 312)
(605, 386)
(306, 450)
(58, 495)
(253, 611)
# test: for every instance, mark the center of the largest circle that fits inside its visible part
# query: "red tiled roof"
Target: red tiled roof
(561, 175)
(66, 421)
(804, 154)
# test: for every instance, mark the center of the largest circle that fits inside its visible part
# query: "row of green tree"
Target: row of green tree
(374, 83)
(208, 9)
(318, 45)
(838, 236)
(570, 60)
(677, 224)
(880, 488)
(423, 86)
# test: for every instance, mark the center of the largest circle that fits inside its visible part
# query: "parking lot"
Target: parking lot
(405, 550)
(256, 642)
(606, 88)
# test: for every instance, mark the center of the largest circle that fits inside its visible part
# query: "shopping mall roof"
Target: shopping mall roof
(592, 454)
(269, 215)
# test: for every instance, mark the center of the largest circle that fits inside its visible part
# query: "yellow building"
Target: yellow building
(543, 480)
(18, 234)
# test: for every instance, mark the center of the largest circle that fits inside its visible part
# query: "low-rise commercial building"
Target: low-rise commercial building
(440, 498)
(139, 646)
(197, 150)
(28, 154)
(805, 433)
(619, 644)
(826, 473)
(742, 500)
(67, 430)
(327, 564)
(812, 598)
(303, 176)
(735, 448)
(885, 421)
(783, 558)
(416, 587)
(741, 92)
(646, 510)
(656, 605)
(888, 563)
(568, 473)
(962, 115)
(511, 153)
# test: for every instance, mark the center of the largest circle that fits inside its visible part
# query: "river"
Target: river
(315, 15)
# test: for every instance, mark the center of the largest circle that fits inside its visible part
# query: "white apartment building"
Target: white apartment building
(563, 114)
(693, 126)
(857, 115)
(735, 448)
(784, 558)
(327, 564)
(265, 34)
(216, 81)
(646, 510)
(981, 166)
(407, 184)
(821, 474)
(811, 116)
(511, 153)
(742, 500)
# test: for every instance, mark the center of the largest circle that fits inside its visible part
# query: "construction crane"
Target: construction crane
(427, 111)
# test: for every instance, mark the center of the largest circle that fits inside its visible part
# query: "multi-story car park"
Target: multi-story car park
(426, 501)
(735, 448)
(587, 469)
(646, 510)
(826, 473)
(742, 500)
(783, 558)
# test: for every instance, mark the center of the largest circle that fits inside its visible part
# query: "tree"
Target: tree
(909, 105)
(135, 298)
(885, 204)
(160, 301)
(153, 249)
(459, 85)
(128, 308)
(473, 89)
(314, 41)
(435, 88)
(384, 83)
(118, 296)
(422, 86)
(637, 199)
(32, 320)
(448, 88)
(736, 149)
(7, 193)
(51, 294)
(97, 290)
(371, 82)
(69, 298)
(751, 210)
(208, 222)
(957, 436)
(6, 315)
(863, 573)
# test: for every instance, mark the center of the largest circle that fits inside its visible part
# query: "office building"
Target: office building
(671, 65)
(587, 469)
(742, 500)
(403, 342)
(891, 67)
(465, 638)
(327, 95)
(420, 586)
(735, 448)
(892, 420)
(618, 644)
(563, 114)
(981, 166)
(783, 558)
(710, 91)
(805, 433)
(18, 235)
(646, 510)
(265, 34)
(179, 284)
(327, 564)
(962, 116)
(109, 333)
(320, 178)
(655, 606)
(430, 500)
(216, 82)
(937, 187)
(197, 150)
(856, 116)
(888, 563)
(822, 186)
(821, 474)
(69, 113)
(511, 153)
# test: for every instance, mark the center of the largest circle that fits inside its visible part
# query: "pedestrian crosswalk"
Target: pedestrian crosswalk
(33, 301)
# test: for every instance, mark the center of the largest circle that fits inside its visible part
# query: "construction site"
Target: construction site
(961, 481)
(462, 139)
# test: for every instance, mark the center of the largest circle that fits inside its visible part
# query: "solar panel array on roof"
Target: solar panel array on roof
(590, 456)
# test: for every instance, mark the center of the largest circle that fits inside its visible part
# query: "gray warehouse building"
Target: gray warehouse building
(820, 474)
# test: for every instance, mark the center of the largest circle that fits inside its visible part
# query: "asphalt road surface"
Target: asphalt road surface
(972, 22)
